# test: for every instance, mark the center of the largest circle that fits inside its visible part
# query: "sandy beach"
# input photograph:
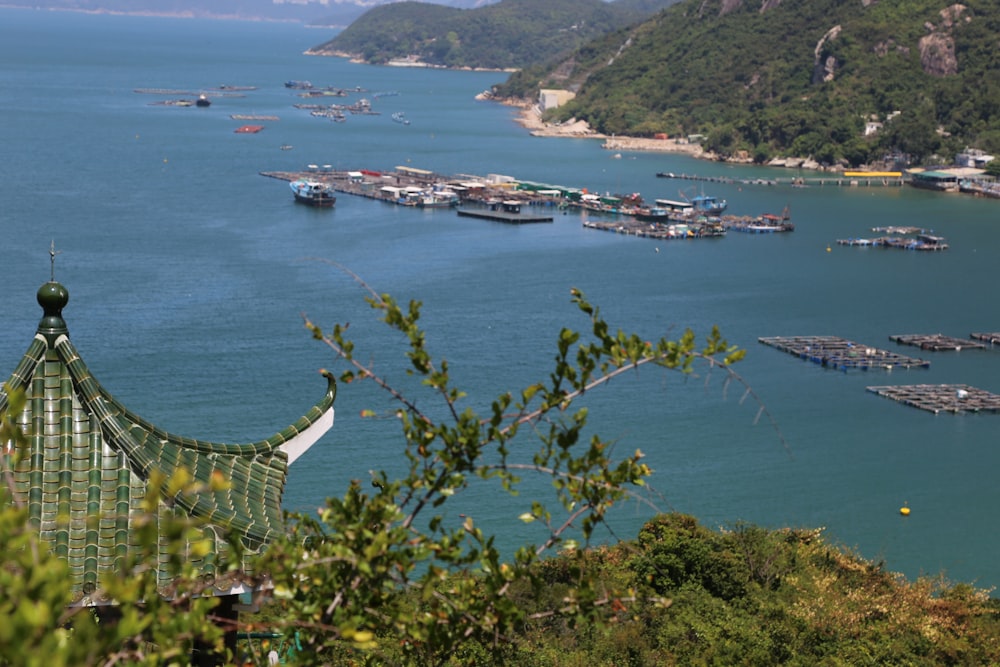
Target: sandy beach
(530, 118)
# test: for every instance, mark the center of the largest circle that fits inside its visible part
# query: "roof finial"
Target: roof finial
(52, 258)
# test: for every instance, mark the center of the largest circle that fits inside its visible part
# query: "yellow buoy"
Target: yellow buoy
(904, 510)
(828, 248)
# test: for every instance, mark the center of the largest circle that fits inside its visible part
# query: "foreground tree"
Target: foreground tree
(383, 562)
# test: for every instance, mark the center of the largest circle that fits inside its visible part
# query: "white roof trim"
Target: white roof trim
(300, 444)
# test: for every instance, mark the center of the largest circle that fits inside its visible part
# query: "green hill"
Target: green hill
(507, 35)
(681, 594)
(794, 77)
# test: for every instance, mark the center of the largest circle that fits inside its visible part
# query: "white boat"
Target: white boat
(313, 193)
(438, 199)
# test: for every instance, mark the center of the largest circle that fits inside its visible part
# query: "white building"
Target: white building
(551, 98)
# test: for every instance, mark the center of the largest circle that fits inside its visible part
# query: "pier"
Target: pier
(845, 179)
(953, 398)
(840, 353)
(936, 342)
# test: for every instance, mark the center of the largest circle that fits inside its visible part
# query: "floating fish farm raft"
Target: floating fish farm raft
(922, 243)
(937, 342)
(840, 353)
(991, 338)
(654, 230)
(954, 398)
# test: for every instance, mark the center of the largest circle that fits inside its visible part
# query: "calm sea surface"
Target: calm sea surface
(189, 274)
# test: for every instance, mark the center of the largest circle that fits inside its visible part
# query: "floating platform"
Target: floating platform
(923, 242)
(660, 231)
(762, 224)
(954, 398)
(509, 214)
(897, 229)
(936, 342)
(163, 91)
(991, 338)
(840, 353)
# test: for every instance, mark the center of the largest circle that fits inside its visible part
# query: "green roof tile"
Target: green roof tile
(89, 460)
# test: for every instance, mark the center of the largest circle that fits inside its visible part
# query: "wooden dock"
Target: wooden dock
(954, 398)
(840, 353)
(936, 342)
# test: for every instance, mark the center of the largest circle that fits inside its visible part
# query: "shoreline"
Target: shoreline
(529, 117)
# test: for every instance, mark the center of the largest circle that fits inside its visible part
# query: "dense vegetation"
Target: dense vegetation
(799, 77)
(506, 35)
(742, 596)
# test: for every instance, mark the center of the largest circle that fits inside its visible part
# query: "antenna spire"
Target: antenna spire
(52, 258)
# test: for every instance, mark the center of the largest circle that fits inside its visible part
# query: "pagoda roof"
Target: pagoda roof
(87, 462)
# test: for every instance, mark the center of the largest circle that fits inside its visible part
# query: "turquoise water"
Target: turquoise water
(189, 274)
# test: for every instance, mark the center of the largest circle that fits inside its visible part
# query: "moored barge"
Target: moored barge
(508, 211)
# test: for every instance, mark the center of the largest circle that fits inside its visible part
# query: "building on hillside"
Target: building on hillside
(551, 98)
(973, 157)
(86, 462)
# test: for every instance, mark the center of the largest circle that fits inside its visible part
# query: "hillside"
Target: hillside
(681, 594)
(506, 35)
(794, 77)
(332, 13)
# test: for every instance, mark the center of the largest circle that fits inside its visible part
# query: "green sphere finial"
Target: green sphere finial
(52, 297)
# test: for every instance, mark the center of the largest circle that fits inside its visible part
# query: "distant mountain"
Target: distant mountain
(506, 35)
(333, 13)
(843, 82)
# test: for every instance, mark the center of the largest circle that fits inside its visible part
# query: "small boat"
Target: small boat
(708, 205)
(653, 214)
(313, 193)
(438, 199)
(203, 101)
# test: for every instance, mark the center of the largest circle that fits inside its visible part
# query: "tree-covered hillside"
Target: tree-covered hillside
(507, 35)
(799, 77)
